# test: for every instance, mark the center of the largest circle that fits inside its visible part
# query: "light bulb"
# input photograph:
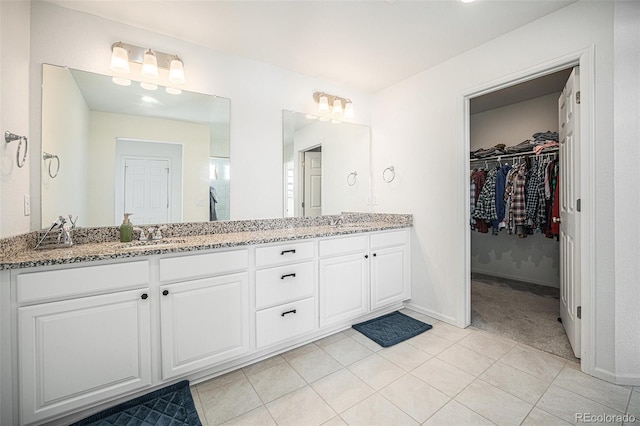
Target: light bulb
(323, 104)
(172, 90)
(150, 64)
(337, 106)
(120, 59)
(176, 71)
(348, 109)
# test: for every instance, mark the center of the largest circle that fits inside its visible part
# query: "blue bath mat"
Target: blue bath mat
(170, 406)
(392, 328)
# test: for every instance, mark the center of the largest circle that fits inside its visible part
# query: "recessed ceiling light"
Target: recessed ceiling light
(467, 1)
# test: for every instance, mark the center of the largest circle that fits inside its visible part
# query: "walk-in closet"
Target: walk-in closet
(514, 177)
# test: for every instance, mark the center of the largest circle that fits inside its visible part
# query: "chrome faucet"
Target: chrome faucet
(337, 221)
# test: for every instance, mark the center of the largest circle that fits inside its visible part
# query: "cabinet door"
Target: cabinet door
(390, 276)
(203, 322)
(343, 288)
(75, 352)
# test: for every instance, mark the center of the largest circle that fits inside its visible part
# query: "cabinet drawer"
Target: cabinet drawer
(201, 265)
(284, 284)
(283, 253)
(282, 322)
(335, 246)
(68, 283)
(392, 238)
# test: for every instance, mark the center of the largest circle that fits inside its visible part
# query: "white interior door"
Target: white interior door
(569, 121)
(146, 190)
(312, 183)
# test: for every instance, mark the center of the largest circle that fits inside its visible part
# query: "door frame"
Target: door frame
(585, 59)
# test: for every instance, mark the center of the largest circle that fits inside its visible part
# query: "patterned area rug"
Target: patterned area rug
(169, 406)
(392, 328)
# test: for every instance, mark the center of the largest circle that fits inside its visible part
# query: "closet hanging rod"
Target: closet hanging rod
(518, 154)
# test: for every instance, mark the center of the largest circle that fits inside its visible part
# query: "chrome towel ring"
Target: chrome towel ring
(352, 178)
(10, 137)
(389, 174)
(46, 156)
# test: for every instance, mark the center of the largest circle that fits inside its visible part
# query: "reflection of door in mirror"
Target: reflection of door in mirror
(312, 166)
(219, 188)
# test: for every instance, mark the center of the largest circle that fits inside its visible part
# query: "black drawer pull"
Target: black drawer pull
(293, 311)
(144, 296)
(288, 275)
(292, 251)
(375, 254)
(165, 292)
(366, 256)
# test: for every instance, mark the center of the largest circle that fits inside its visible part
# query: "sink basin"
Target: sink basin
(145, 245)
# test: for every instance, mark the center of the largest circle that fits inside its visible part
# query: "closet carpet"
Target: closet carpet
(526, 313)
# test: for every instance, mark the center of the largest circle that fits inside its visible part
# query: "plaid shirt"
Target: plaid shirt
(486, 205)
(518, 208)
(533, 194)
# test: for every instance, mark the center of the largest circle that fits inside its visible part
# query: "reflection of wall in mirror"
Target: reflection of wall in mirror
(219, 178)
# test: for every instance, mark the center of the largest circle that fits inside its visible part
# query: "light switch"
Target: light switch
(27, 205)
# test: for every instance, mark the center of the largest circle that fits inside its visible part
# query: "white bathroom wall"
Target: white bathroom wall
(535, 259)
(419, 128)
(14, 115)
(66, 124)
(258, 94)
(194, 138)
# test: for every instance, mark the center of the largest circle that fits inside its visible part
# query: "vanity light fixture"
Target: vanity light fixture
(341, 107)
(122, 54)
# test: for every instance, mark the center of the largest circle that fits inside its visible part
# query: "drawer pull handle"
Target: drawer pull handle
(293, 311)
(144, 296)
(288, 275)
(292, 251)
(165, 292)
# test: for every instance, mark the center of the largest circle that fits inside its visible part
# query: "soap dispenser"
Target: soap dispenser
(126, 229)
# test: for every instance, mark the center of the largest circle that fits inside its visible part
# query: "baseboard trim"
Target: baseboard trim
(517, 278)
(432, 314)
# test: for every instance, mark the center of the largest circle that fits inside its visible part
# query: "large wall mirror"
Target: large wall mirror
(109, 149)
(326, 166)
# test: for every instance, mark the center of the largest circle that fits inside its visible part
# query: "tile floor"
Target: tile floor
(446, 376)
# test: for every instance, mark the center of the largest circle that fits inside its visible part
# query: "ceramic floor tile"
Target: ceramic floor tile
(450, 332)
(420, 317)
(466, 360)
(376, 411)
(430, 343)
(222, 380)
(443, 376)
(276, 382)
(350, 332)
(376, 371)
(302, 407)
(336, 421)
(486, 344)
(636, 388)
(595, 389)
(330, 339)
(263, 365)
(302, 350)
(456, 414)
(516, 382)
(223, 403)
(315, 365)
(634, 405)
(198, 405)
(342, 390)
(537, 363)
(258, 417)
(366, 342)
(494, 404)
(405, 356)
(537, 417)
(347, 351)
(570, 406)
(415, 397)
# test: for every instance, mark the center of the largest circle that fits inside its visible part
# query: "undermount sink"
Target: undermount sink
(145, 245)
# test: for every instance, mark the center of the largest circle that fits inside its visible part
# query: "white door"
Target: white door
(569, 121)
(312, 183)
(146, 190)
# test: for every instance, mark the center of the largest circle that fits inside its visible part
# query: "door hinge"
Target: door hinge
(578, 97)
(579, 204)
(579, 314)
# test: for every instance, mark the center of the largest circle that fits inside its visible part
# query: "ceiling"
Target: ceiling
(366, 45)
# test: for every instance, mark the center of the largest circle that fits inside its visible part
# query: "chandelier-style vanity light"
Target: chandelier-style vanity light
(340, 107)
(150, 60)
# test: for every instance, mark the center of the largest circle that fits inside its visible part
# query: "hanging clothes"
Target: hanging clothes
(518, 208)
(501, 183)
(486, 205)
(479, 178)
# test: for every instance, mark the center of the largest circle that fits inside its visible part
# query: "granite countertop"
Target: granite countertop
(105, 250)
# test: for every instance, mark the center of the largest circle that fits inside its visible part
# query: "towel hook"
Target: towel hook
(389, 174)
(352, 178)
(46, 156)
(10, 137)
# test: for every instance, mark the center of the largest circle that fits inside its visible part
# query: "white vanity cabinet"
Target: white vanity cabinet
(204, 310)
(390, 267)
(285, 292)
(83, 336)
(344, 278)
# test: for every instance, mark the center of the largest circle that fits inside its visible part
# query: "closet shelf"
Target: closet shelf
(549, 150)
